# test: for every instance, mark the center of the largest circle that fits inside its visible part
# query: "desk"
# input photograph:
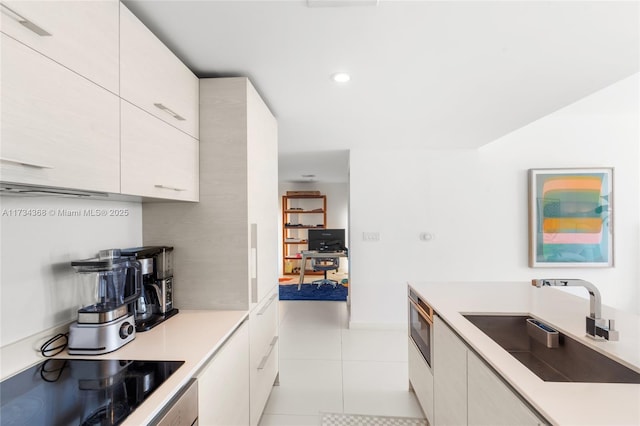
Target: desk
(315, 254)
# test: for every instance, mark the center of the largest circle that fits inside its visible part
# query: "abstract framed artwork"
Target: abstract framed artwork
(571, 217)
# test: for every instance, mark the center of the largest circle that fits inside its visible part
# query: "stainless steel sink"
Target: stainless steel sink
(571, 361)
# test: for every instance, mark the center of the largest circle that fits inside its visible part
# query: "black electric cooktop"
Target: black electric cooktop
(80, 391)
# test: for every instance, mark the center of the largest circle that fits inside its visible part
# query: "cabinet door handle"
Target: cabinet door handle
(254, 262)
(170, 112)
(25, 163)
(266, 357)
(172, 188)
(266, 306)
(24, 21)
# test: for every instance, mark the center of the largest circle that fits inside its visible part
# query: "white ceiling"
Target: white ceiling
(425, 74)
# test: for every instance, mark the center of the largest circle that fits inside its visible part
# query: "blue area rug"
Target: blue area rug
(312, 292)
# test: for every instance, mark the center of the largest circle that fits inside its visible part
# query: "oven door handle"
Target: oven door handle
(422, 312)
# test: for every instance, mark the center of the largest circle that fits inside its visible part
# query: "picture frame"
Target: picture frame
(571, 217)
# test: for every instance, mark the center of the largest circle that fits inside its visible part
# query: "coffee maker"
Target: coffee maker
(108, 323)
(155, 303)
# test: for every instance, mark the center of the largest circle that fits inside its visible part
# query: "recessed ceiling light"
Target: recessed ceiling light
(341, 77)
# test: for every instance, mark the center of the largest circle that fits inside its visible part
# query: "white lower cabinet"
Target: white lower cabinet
(421, 380)
(449, 376)
(223, 384)
(467, 391)
(491, 402)
(263, 343)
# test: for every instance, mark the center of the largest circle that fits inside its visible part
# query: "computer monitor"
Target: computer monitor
(327, 240)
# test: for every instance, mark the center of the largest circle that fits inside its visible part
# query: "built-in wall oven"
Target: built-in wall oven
(421, 325)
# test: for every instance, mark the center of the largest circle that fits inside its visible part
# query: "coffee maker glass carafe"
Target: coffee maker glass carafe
(106, 324)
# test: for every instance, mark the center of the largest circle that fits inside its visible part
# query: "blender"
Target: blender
(108, 323)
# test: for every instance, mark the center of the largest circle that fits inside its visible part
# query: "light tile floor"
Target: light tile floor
(326, 367)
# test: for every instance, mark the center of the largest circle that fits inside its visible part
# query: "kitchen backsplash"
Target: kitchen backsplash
(40, 236)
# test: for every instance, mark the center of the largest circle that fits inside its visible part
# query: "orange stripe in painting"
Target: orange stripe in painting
(572, 225)
(573, 182)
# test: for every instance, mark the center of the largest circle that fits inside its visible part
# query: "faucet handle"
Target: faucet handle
(612, 334)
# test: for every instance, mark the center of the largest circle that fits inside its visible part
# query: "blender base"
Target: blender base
(98, 339)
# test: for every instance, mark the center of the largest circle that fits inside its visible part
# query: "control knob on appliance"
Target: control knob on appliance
(126, 329)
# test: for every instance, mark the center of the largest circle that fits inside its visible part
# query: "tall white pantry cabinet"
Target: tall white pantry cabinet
(226, 246)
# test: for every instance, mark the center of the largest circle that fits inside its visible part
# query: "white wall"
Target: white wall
(475, 205)
(38, 287)
(337, 208)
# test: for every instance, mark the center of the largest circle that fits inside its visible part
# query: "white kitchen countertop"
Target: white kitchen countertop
(190, 336)
(560, 403)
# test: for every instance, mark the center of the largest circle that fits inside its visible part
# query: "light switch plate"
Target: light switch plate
(370, 236)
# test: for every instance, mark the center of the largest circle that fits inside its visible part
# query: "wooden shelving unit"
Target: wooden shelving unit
(300, 213)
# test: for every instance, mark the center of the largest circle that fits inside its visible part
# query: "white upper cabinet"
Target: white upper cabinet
(158, 160)
(154, 79)
(58, 129)
(81, 35)
(64, 64)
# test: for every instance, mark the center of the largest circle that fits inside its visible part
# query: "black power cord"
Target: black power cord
(48, 351)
